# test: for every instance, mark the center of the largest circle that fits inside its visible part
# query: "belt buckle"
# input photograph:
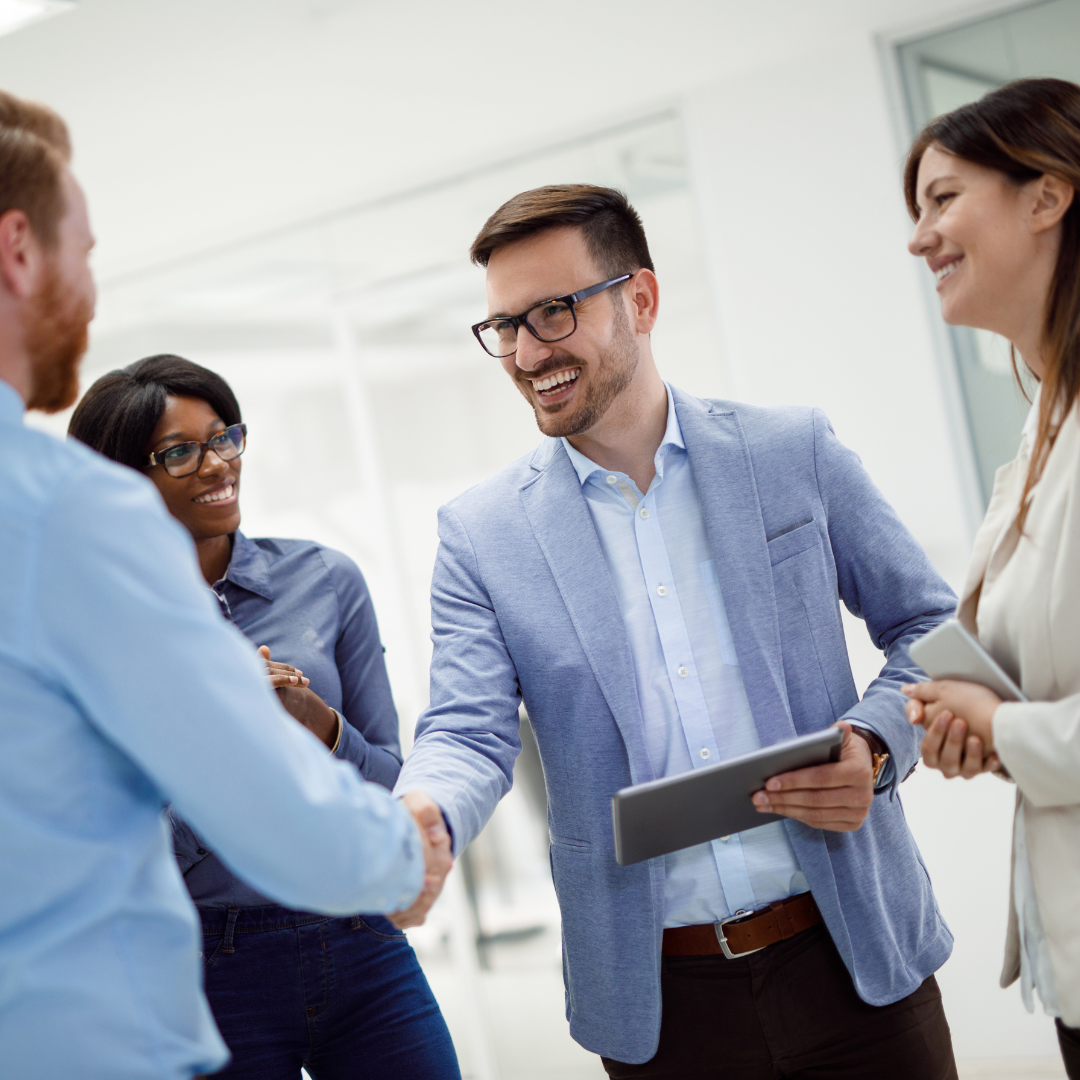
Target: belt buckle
(739, 916)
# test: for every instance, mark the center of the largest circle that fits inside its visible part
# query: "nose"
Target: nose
(530, 352)
(212, 465)
(924, 239)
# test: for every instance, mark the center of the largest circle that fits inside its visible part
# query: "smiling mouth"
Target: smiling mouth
(555, 383)
(945, 271)
(217, 496)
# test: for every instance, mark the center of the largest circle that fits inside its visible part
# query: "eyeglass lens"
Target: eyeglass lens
(550, 322)
(183, 460)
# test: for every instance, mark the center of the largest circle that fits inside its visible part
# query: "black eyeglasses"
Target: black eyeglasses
(187, 457)
(550, 320)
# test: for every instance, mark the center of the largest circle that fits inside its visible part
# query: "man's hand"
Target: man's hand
(437, 857)
(836, 796)
(302, 703)
(958, 718)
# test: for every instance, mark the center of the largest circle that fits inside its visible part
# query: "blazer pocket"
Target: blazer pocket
(791, 539)
(570, 842)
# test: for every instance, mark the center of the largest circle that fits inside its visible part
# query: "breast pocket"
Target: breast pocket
(719, 613)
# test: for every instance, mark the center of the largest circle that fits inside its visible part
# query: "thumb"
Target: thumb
(264, 652)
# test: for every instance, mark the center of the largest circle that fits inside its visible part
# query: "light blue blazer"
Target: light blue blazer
(523, 608)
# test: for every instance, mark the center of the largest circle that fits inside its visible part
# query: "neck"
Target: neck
(15, 367)
(214, 554)
(628, 435)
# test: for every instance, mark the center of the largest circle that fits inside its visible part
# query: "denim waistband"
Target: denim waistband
(254, 920)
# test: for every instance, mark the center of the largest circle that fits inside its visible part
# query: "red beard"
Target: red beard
(56, 339)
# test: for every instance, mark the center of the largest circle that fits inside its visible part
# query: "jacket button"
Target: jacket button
(200, 851)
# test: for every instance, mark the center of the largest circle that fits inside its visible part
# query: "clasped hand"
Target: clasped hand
(300, 701)
(437, 857)
(958, 718)
(836, 796)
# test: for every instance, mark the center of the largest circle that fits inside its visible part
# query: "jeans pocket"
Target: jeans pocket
(378, 926)
(209, 955)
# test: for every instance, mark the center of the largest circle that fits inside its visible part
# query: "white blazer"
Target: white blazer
(1022, 598)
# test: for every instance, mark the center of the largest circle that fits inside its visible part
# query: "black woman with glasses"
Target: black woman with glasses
(341, 997)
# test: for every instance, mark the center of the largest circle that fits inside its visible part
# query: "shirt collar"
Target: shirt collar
(12, 406)
(585, 467)
(250, 567)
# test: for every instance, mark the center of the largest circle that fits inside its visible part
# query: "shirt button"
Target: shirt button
(683, 672)
(644, 512)
(703, 753)
(725, 839)
(661, 590)
(612, 479)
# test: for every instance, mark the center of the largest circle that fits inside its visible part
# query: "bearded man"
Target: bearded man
(660, 583)
(117, 672)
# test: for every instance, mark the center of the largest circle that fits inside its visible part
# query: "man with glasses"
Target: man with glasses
(659, 582)
(118, 674)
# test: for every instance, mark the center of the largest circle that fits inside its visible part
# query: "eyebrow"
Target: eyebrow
(938, 180)
(180, 435)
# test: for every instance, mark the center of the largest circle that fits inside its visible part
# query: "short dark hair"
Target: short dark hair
(612, 227)
(118, 414)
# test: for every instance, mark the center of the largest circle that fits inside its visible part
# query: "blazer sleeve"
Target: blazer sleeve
(1039, 743)
(468, 738)
(885, 579)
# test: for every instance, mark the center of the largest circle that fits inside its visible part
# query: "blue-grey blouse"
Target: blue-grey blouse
(311, 606)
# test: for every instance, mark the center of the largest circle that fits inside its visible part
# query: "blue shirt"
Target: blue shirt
(688, 679)
(123, 689)
(310, 605)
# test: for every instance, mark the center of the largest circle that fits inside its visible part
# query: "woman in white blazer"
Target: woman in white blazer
(992, 188)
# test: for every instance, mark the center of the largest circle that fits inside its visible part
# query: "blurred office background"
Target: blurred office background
(285, 191)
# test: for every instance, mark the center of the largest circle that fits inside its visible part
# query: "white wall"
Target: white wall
(198, 121)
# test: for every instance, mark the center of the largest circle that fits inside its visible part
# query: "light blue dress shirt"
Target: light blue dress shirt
(123, 689)
(688, 679)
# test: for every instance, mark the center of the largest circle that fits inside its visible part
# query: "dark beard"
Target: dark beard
(56, 339)
(611, 375)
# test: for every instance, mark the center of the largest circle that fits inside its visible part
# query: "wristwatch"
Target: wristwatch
(879, 752)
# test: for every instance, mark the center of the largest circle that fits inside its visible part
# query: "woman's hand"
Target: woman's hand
(958, 719)
(281, 674)
(300, 702)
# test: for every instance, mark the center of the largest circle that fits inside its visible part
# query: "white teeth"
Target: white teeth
(217, 496)
(554, 380)
(946, 270)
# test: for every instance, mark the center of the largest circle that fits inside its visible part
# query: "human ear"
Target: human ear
(1052, 198)
(643, 294)
(19, 250)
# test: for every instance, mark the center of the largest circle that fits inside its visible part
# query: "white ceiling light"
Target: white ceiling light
(15, 14)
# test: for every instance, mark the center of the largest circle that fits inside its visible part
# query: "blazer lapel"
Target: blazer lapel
(721, 466)
(564, 529)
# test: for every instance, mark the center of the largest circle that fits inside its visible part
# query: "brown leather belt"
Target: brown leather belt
(744, 932)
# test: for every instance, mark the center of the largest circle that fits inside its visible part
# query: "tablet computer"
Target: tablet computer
(949, 651)
(690, 808)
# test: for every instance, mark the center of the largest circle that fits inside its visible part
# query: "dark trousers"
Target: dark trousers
(1069, 1041)
(790, 1011)
(344, 998)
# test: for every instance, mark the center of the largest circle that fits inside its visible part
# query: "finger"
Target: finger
(973, 764)
(923, 691)
(264, 652)
(915, 711)
(834, 819)
(276, 665)
(839, 799)
(936, 731)
(277, 680)
(953, 747)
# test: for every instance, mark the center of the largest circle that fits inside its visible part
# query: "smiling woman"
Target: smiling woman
(308, 605)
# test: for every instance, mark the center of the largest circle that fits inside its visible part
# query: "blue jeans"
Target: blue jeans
(342, 997)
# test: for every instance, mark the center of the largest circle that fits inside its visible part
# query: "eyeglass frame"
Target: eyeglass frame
(158, 457)
(570, 299)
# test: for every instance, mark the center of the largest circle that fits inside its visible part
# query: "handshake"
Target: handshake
(437, 857)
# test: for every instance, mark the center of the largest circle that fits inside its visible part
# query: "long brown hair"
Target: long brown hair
(1027, 129)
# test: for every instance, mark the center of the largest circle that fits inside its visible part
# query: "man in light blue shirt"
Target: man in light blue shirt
(660, 583)
(118, 674)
